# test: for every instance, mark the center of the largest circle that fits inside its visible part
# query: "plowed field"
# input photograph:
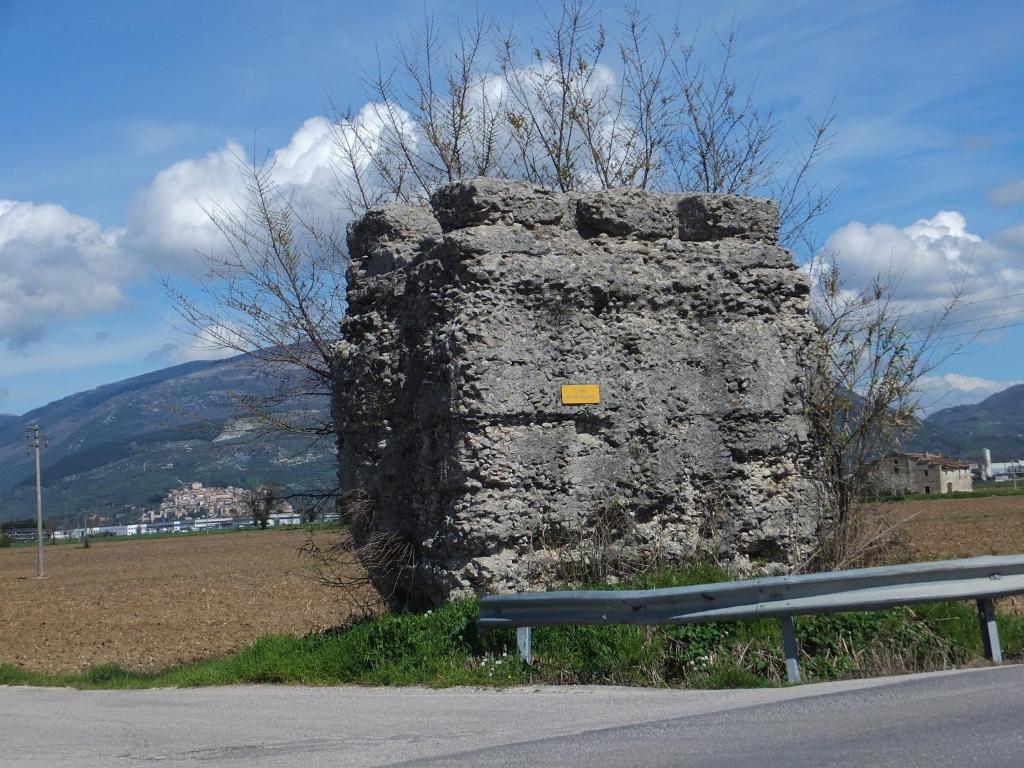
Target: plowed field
(941, 529)
(149, 603)
(947, 528)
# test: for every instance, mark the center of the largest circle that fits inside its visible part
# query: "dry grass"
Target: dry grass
(149, 603)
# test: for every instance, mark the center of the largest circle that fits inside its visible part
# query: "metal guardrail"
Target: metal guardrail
(977, 578)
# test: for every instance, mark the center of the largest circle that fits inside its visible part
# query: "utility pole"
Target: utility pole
(33, 442)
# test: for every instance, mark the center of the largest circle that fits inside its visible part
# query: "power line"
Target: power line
(974, 333)
(965, 304)
(987, 317)
(971, 320)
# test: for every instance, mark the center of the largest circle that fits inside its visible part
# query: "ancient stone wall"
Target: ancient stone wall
(463, 469)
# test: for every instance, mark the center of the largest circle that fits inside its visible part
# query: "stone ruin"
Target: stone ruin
(463, 469)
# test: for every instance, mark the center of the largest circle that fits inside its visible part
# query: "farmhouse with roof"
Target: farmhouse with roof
(922, 473)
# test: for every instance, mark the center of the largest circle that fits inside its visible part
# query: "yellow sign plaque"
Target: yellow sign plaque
(581, 394)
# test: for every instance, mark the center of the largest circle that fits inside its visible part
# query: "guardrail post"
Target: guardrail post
(989, 630)
(789, 649)
(524, 637)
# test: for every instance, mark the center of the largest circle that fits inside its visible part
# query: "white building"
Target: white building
(922, 473)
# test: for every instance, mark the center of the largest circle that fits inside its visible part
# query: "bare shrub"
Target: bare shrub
(369, 574)
(862, 397)
(577, 105)
(260, 504)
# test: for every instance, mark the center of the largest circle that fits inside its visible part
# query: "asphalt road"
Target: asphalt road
(973, 718)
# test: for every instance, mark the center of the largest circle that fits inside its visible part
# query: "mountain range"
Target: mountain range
(996, 423)
(116, 449)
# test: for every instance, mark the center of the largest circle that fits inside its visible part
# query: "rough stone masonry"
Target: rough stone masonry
(463, 469)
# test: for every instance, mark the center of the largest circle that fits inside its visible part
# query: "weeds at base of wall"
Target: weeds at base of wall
(607, 548)
(443, 647)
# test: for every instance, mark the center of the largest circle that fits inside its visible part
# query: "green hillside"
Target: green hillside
(116, 449)
(996, 423)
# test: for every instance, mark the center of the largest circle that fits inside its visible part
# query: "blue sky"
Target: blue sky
(111, 109)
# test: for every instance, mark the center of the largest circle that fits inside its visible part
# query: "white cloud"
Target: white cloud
(169, 220)
(932, 258)
(55, 266)
(1009, 193)
(948, 389)
(927, 257)
(306, 161)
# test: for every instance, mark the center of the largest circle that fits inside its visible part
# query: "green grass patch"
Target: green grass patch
(443, 647)
(988, 489)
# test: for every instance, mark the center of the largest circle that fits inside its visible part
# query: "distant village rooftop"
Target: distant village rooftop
(196, 501)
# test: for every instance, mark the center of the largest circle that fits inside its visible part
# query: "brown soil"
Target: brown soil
(943, 529)
(948, 528)
(150, 603)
